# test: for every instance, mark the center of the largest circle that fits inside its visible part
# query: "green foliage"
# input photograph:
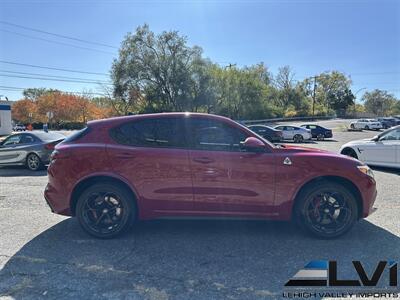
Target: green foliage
(380, 102)
(35, 93)
(161, 73)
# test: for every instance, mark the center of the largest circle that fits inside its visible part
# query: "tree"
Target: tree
(379, 102)
(332, 91)
(155, 70)
(35, 93)
(284, 81)
(340, 100)
(24, 111)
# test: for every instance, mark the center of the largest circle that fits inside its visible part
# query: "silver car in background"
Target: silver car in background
(31, 149)
(294, 133)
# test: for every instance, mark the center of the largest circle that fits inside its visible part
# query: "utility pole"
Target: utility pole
(313, 98)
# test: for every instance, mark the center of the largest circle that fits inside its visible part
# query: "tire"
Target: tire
(350, 152)
(106, 210)
(352, 126)
(320, 137)
(33, 162)
(366, 127)
(326, 210)
(298, 138)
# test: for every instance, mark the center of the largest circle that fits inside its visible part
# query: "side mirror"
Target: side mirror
(253, 144)
(375, 138)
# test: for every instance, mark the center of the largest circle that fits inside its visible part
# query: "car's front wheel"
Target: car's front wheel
(320, 137)
(106, 210)
(326, 210)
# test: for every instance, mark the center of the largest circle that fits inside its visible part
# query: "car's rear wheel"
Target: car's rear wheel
(320, 137)
(326, 210)
(349, 152)
(366, 127)
(298, 138)
(106, 210)
(33, 162)
(352, 126)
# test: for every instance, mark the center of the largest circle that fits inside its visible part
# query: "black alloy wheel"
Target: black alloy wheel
(105, 210)
(327, 210)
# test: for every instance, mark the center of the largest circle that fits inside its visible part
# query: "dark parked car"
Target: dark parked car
(269, 133)
(318, 132)
(387, 122)
(31, 149)
(145, 167)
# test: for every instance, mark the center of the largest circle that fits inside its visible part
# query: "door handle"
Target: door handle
(203, 160)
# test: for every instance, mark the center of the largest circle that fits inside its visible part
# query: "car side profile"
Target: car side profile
(367, 124)
(382, 150)
(318, 132)
(294, 133)
(142, 167)
(31, 149)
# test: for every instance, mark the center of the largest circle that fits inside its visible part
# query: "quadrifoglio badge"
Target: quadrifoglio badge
(319, 275)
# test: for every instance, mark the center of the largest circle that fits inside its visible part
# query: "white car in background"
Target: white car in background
(295, 133)
(382, 150)
(366, 124)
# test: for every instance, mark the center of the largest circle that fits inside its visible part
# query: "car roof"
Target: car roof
(259, 125)
(123, 119)
(46, 136)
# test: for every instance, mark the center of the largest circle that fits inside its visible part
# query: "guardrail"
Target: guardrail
(264, 121)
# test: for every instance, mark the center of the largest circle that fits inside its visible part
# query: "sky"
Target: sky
(358, 37)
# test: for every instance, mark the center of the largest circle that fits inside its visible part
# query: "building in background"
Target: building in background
(5, 118)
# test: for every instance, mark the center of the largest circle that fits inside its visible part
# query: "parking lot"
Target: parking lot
(49, 256)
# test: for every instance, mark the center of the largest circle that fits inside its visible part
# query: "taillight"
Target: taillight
(50, 146)
(58, 155)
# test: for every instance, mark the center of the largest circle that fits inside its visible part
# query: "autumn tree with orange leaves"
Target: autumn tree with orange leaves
(65, 108)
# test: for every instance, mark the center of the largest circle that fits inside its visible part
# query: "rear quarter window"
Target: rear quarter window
(77, 135)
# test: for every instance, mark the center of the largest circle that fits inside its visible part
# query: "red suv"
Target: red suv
(120, 170)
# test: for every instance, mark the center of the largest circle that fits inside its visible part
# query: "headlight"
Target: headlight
(366, 170)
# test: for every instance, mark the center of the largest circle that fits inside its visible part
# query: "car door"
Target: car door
(360, 124)
(290, 132)
(314, 130)
(10, 151)
(384, 151)
(287, 134)
(226, 179)
(151, 153)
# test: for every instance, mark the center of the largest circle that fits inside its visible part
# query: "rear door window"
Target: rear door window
(162, 132)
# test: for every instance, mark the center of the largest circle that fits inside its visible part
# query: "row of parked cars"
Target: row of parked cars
(298, 134)
(375, 124)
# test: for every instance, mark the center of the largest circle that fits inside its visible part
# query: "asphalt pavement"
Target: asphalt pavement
(47, 256)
